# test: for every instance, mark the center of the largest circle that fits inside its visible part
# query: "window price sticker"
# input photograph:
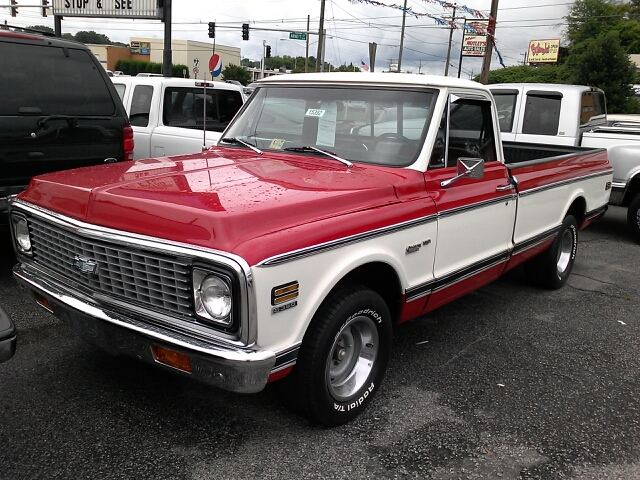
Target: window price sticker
(276, 144)
(314, 112)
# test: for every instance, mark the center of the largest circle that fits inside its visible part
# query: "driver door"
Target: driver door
(476, 216)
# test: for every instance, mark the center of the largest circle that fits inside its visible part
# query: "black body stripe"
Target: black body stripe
(450, 279)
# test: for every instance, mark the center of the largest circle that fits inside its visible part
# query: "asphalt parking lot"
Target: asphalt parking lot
(509, 382)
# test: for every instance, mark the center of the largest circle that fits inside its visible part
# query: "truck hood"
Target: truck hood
(225, 198)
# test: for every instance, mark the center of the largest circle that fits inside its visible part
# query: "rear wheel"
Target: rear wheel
(633, 217)
(552, 268)
(343, 358)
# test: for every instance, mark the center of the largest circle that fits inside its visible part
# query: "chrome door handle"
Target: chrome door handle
(504, 188)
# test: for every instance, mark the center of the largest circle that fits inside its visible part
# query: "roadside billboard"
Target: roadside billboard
(543, 51)
(474, 45)
(107, 8)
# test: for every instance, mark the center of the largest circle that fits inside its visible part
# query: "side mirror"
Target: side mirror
(466, 167)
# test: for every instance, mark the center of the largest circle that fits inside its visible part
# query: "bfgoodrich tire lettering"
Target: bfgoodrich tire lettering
(343, 358)
(552, 268)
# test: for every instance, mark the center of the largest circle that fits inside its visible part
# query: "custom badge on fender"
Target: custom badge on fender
(283, 297)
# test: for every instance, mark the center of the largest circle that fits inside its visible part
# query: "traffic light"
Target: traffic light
(245, 31)
(268, 54)
(14, 8)
(212, 29)
(45, 3)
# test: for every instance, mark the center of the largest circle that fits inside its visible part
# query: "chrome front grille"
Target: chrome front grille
(150, 279)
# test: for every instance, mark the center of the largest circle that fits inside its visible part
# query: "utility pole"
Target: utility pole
(486, 64)
(166, 53)
(320, 57)
(453, 18)
(404, 17)
(306, 57)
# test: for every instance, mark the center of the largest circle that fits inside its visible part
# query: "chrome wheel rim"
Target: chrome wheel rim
(565, 251)
(352, 357)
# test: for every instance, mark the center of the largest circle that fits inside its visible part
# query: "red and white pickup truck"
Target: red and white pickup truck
(335, 206)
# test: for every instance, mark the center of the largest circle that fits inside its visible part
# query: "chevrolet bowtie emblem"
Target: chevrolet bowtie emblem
(85, 265)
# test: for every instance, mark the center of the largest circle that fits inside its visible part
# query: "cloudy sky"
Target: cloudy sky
(350, 26)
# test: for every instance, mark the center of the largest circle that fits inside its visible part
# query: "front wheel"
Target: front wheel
(633, 216)
(343, 358)
(552, 268)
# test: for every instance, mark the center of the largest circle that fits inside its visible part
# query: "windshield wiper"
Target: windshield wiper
(309, 148)
(241, 142)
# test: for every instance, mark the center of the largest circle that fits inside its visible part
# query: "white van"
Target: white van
(170, 116)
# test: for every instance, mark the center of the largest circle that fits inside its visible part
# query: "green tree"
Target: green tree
(588, 18)
(41, 28)
(92, 37)
(602, 62)
(235, 72)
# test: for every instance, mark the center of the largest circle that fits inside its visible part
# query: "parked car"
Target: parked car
(8, 337)
(288, 252)
(249, 89)
(58, 110)
(169, 116)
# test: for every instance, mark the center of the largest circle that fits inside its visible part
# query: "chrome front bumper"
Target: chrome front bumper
(225, 366)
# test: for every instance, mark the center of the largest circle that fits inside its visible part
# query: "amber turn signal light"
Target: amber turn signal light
(171, 358)
(43, 302)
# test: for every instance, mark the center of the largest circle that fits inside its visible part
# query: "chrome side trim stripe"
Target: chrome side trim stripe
(446, 281)
(563, 183)
(537, 240)
(286, 358)
(341, 242)
(473, 206)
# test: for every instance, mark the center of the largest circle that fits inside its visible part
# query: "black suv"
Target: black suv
(58, 110)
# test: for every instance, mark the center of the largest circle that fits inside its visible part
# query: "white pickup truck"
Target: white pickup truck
(575, 115)
(169, 115)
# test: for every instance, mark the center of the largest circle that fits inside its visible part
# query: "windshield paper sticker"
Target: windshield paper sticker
(314, 112)
(276, 144)
(327, 125)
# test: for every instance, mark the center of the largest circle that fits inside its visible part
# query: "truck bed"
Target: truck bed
(516, 152)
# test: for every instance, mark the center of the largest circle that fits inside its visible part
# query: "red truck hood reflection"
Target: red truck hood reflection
(232, 200)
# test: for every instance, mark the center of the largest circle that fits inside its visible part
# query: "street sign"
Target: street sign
(297, 36)
(196, 62)
(196, 70)
(108, 8)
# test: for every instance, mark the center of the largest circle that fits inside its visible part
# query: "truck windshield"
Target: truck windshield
(382, 126)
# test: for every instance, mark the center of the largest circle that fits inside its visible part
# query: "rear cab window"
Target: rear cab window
(592, 105)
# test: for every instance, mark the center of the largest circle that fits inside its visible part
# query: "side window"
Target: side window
(591, 105)
(542, 114)
(120, 88)
(505, 104)
(186, 107)
(229, 102)
(141, 105)
(470, 134)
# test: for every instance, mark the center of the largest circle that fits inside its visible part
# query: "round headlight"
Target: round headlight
(216, 297)
(21, 230)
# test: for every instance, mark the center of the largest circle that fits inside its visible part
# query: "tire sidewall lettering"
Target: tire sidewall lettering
(373, 314)
(352, 405)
